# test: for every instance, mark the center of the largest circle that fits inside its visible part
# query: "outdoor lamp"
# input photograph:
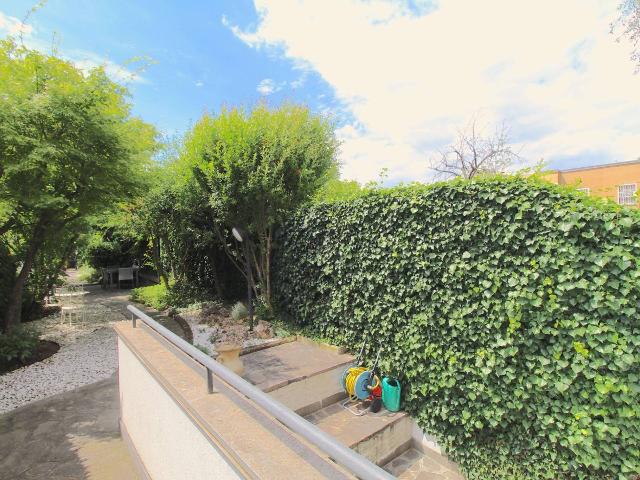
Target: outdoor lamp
(236, 234)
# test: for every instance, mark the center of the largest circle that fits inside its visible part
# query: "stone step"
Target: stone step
(378, 436)
(312, 393)
(414, 464)
(276, 367)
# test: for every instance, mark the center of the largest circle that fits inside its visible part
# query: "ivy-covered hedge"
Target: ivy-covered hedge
(509, 307)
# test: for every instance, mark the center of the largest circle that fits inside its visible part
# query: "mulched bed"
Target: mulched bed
(44, 350)
(42, 313)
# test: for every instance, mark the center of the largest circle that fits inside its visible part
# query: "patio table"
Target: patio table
(112, 272)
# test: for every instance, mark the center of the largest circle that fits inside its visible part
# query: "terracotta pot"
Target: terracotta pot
(229, 356)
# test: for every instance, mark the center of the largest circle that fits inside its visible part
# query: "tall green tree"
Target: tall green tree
(256, 165)
(69, 148)
(336, 190)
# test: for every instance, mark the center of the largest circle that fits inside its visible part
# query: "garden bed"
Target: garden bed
(211, 323)
(44, 350)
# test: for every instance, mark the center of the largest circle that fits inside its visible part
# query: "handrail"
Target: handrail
(354, 462)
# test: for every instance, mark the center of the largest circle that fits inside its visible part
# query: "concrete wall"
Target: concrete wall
(167, 442)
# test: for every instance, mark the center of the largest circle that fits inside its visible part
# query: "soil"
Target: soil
(212, 324)
(44, 350)
(44, 312)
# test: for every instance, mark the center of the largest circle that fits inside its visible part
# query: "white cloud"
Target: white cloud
(549, 69)
(199, 84)
(267, 86)
(86, 61)
(12, 26)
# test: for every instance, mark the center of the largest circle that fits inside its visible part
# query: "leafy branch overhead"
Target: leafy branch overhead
(69, 149)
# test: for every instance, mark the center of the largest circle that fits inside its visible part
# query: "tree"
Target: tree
(257, 165)
(629, 23)
(474, 153)
(335, 190)
(68, 149)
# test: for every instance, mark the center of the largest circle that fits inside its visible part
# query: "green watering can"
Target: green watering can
(391, 394)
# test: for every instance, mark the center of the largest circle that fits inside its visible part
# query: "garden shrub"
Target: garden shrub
(155, 296)
(18, 345)
(88, 274)
(178, 295)
(507, 306)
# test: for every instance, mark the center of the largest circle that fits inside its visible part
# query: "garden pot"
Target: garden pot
(229, 356)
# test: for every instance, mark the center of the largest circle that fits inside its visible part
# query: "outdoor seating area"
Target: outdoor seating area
(115, 276)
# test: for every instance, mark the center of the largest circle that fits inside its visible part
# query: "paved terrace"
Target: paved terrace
(73, 435)
(76, 434)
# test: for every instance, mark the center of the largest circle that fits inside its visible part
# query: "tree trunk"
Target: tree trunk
(65, 256)
(216, 277)
(158, 261)
(13, 314)
(267, 267)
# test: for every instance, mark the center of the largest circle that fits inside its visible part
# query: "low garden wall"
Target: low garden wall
(508, 307)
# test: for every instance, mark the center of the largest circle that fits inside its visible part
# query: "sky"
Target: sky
(398, 78)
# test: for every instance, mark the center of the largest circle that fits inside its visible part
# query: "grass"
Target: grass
(156, 296)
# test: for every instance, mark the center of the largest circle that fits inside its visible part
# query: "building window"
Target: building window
(585, 190)
(627, 194)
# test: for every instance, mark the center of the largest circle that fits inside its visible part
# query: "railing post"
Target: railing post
(209, 380)
(133, 320)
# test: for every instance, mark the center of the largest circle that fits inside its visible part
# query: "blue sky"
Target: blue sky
(198, 63)
(398, 77)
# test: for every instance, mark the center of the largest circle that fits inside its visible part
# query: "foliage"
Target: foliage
(263, 310)
(88, 274)
(335, 190)
(155, 296)
(628, 25)
(69, 147)
(239, 312)
(257, 165)
(507, 306)
(108, 243)
(161, 297)
(18, 345)
(183, 294)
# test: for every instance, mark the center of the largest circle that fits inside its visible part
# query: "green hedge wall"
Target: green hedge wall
(508, 306)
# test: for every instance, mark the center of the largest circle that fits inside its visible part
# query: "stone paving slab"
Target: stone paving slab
(281, 365)
(351, 429)
(415, 465)
(73, 435)
(312, 393)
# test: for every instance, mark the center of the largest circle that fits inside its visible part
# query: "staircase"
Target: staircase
(305, 376)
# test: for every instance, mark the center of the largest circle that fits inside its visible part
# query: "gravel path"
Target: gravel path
(87, 354)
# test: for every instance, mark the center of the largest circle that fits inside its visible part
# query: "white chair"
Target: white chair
(125, 274)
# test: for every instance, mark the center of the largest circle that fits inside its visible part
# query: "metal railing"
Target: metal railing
(352, 461)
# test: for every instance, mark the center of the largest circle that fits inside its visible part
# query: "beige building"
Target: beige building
(616, 181)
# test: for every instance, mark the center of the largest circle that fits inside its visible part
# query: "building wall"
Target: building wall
(167, 442)
(602, 181)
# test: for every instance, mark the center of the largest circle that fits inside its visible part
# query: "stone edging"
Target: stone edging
(188, 333)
